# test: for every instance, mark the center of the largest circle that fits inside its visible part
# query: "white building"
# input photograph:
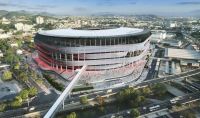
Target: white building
(158, 35)
(5, 21)
(1, 53)
(14, 45)
(39, 20)
(19, 52)
(172, 25)
(186, 57)
(23, 27)
(5, 35)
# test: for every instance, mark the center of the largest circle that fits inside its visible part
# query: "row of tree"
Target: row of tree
(22, 97)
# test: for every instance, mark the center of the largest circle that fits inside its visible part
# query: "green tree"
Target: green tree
(17, 102)
(7, 75)
(32, 91)
(72, 115)
(2, 107)
(39, 81)
(23, 77)
(11, 57)
(26, 67)
(159, 89)
(33, 75)
(146, 91)
(17, 66)
(135, 113)
(188, 114)
(83, 100)
(24, 94)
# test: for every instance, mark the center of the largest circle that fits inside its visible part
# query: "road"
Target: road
(152, 71)
(169, 78)
(162, 105)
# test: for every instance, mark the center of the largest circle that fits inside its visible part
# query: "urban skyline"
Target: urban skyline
(98, 7)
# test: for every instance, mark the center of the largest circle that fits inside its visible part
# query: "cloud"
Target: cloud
(114, 3)
(80, 9)
(22, 6)
(189, 3)
(46, 6)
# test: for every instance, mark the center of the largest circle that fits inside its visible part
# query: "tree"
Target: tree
(83, 100)
(7, 75)
(100, 100)
(188, 114)
(135, 113)
(146, 91)
(23, 77)
(33, 75)
(2, 107)
(24, 94)
(17, 66)
(159, 89)
(11, 57)
(71, 115)
(39, 81)
(26, 67)
(32, 91)
(17, 102)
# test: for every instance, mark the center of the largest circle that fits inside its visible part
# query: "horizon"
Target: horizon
(95, 7)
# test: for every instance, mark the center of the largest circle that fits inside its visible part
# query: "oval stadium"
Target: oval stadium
(113, 57)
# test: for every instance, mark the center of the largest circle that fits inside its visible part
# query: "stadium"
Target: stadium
(113, 56)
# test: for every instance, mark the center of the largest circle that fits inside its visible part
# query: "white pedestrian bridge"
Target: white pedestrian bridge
(64, 94)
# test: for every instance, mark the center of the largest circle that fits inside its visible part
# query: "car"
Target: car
(128, 112)
(31, 109)
(153, 108)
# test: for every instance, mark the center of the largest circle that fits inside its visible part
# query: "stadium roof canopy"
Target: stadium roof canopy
(91, 33)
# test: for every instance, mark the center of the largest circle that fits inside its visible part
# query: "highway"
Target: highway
(162, 105)
(168, 78)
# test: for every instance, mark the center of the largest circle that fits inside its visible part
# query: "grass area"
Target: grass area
(52, 81)
(82, 88)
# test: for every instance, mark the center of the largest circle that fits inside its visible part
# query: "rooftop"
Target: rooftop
(182, 54)
(91, 33)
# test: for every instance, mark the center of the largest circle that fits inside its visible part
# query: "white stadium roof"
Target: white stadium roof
(182, 54)
(91, 33)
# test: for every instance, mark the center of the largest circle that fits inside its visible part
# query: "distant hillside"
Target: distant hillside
(3, 12)
(11, 14)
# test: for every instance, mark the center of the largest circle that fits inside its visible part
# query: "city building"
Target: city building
(39, 20)
(19, 52)
(5, 21)
(4, 35)
(158, 35)
(110, 54)
(185, 56)
(23, 27)
(1, 53)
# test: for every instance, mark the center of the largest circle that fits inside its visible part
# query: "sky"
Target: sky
(92, 7)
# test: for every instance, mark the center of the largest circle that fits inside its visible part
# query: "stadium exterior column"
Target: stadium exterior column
(61, 63)
(72, 62)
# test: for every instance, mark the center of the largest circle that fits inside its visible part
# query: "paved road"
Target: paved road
(152, 71)
(169, 78)
(163, 105)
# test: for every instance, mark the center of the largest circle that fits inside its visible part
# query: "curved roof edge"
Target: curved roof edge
(122, 31)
